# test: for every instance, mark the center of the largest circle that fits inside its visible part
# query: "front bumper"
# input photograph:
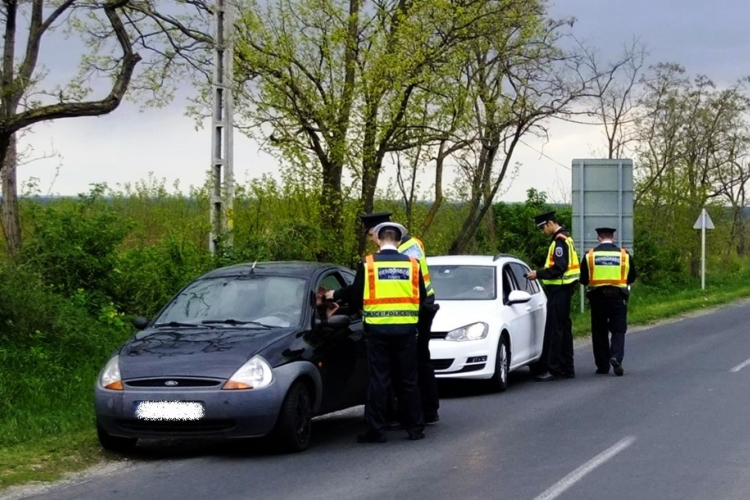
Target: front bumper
(469, 359)
(227, 414)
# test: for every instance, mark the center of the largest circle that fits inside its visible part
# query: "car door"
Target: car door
(534, 309)
(337, 352)
(518, 316)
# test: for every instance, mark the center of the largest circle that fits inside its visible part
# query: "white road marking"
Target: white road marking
(558, 488)
(740, 366)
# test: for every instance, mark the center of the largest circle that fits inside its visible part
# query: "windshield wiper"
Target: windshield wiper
(177, 323)
(231, 321)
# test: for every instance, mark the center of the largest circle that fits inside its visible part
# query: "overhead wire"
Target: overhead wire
(545, 155)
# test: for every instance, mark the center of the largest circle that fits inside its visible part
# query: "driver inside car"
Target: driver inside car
(326, 308)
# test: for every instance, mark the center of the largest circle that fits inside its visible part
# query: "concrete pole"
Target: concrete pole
(222, 144)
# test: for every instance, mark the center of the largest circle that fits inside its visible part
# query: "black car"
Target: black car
(243, 351)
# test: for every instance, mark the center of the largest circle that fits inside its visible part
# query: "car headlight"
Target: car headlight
(110, 377)
(474, 331)
(254, 374)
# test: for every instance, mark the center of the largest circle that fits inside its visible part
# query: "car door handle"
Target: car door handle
(528, 308)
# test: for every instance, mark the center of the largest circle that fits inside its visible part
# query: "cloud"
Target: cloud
(126, 146)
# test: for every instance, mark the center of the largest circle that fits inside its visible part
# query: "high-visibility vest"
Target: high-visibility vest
(573, 273)
(391, 291)
(414, 248)
(608, 268)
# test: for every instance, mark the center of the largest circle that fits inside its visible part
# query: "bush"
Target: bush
(51, 349)
(147, 277)
(73, 246)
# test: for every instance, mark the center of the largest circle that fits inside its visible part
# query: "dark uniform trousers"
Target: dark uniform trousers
(426, 371)
(384, 354)
(557, 349)
(609, 314)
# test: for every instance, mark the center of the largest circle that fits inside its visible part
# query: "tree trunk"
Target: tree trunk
(9, 206)
(331, 211)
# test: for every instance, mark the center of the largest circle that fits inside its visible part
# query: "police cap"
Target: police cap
(390, 225)
(542, 219)
(605, 230)
(373, 219)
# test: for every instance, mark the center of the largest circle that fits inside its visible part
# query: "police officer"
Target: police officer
(389, 289)
(559, 275)
(608, 270)
(410, 245)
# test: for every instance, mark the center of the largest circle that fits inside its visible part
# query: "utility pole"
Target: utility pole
(222, 143)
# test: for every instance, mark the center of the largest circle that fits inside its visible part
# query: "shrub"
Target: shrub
(73, 246)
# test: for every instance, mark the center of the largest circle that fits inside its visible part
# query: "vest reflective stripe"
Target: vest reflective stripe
(573, 273)
(414, 248)
(391, 292)
(614, 273)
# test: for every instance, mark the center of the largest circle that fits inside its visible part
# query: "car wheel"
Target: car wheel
(294, 427)
(499, 380)
(113, 443)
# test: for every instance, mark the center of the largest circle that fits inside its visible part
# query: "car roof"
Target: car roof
(473, 260)
(301, 269)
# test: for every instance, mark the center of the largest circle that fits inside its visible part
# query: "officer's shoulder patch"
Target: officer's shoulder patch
(559, 252)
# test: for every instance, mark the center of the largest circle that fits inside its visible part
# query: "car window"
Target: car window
(524, 284)
(271, 300)
(508, 283)
(348, 277)
(460, 282)
(330, 282)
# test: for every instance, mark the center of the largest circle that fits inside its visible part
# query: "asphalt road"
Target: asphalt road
(676, 426)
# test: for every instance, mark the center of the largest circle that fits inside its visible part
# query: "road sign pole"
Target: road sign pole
(703, 223)
(703, 251)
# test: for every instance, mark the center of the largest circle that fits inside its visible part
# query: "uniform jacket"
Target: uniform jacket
(354, 295)
(607, 290)
(560, 260)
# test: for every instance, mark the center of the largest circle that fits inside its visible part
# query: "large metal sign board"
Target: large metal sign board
(602, 197)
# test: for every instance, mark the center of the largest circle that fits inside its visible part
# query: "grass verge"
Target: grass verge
(51, 458)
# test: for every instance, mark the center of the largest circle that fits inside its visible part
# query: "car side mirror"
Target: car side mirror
(141, 322)
(338, 321)
(518, 297)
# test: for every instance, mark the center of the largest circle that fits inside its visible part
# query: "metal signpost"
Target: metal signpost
(602, 196)
(222, 144)
(704, 222)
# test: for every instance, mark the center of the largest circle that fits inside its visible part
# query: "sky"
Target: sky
(130, 145)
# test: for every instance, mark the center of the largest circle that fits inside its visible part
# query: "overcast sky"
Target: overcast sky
(706, 37)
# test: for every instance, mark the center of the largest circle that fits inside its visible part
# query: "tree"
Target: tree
(617, 98)
(341, 85)
(520, 77)
(117, 34)
(691, 144)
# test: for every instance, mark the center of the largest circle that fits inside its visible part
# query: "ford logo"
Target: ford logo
(171, 383)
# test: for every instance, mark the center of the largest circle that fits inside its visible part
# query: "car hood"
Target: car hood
(210, 352)
(457, 313)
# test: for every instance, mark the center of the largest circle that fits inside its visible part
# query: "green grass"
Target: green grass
(648, 304)
(48, 459)
(47, 454)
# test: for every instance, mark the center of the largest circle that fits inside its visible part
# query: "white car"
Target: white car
(491, 318)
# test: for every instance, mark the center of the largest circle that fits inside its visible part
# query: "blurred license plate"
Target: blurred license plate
(169, 410)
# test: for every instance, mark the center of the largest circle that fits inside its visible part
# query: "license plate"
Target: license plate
(169, 410)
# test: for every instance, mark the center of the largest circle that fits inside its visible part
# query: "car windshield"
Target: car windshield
(459, 282)
(251, 302)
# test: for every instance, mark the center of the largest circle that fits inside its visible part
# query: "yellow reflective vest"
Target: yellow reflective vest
(573, 272)
(413, 247)
(391, 294)
(608, 268)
